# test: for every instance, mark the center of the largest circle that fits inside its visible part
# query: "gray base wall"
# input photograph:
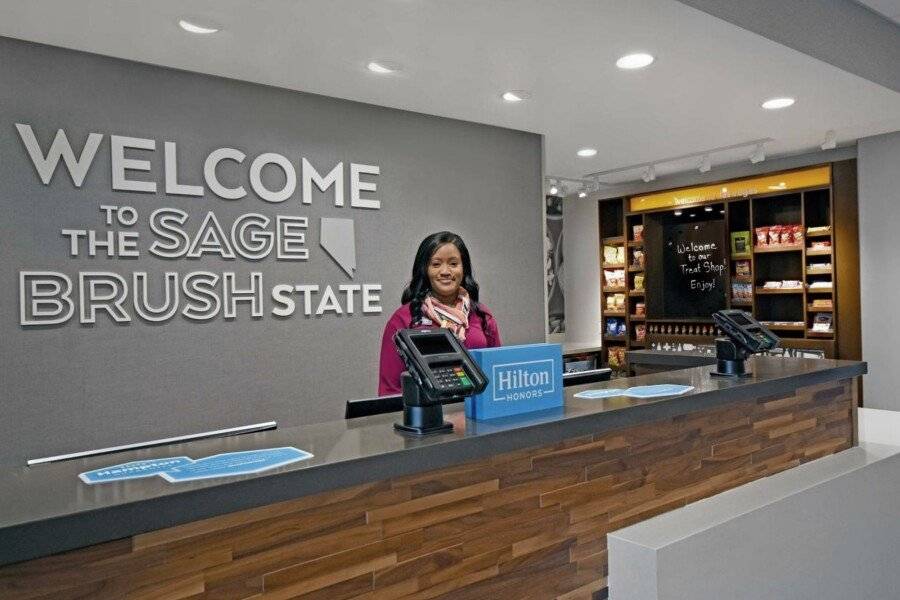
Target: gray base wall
(75, 387)
(879, 224)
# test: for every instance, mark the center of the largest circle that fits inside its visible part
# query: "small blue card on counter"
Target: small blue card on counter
(183, 468)
(641, 391)
(521, 379)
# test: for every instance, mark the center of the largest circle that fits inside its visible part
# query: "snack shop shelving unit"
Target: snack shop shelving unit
(830, 253)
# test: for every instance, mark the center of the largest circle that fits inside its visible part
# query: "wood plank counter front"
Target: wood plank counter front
(525, 523)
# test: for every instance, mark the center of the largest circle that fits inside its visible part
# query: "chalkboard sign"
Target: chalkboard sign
(694, 267)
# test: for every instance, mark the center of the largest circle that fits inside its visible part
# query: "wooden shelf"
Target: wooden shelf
(614, 290)
(741, 279)
(638, 344)
(637, 317)
(820, 290)
(611, 241)
(811, 308)
(614, 338)
(818, 234)
(635, 269)
(765, 291)
(741, 256)
(784, 327)
(820, 334)
(613, 265)
(818, 251)
(770, 249)
(741, 302)
(634, 244)
(614, 313)
(635, 293)
(819, 271)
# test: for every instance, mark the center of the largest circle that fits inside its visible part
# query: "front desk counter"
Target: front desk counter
(513, 508)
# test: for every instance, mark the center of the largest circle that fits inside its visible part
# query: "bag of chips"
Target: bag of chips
(762, 236)
(775, 235)
(797, 234)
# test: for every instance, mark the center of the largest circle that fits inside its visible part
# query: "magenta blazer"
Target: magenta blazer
(391, 363)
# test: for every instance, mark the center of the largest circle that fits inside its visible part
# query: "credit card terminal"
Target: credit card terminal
(746, 331)
(746, 336)
(441, 367)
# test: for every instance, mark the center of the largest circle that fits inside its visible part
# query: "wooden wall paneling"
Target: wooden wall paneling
(845, 260)
(524, 524)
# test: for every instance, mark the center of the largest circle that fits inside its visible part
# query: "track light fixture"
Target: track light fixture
(830, 142)
(705, 164)
(649, 174)
(554, 189)
(758, 155)
(583, 192)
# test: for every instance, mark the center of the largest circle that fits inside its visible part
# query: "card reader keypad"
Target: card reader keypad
(451, 377)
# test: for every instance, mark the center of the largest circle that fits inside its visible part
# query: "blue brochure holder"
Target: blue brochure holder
(520, 379)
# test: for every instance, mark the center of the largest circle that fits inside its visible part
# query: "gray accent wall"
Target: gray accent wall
(879, 224)
(72, 387)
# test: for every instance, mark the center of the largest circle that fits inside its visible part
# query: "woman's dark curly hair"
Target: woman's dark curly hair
(420, 285)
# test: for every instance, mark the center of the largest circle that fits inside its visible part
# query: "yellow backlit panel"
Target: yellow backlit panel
(739, 188)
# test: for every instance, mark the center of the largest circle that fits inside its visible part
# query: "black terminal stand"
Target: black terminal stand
(730, 359)
(420, 417)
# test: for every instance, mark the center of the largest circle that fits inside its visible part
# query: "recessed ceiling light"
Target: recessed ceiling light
(515, 95)
(582, 194)
(708, 208)
(781, 185)
(194, 28)
(382, 68)
(677, 213)
(692, 215)
(775, 103)
(586, 152)
(634, 61)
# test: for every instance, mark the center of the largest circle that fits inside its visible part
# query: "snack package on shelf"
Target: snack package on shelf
(820, 245)
(615, 326)
(640, 332)
(620, 255)
(620, 301)
(822, 323)
(610, 254)
(610, 302)
(797, 234)
(637, 259)
(818, 230)
(762, 237)
(772, 285)
(824, 266)
(775, 235)
(639, 283)
(637, 232)
(640, 309)
(617, 358)
(740, 242)
(614, 278)
(741, 291)
(791, 284)
(742, 268)
(816, 285)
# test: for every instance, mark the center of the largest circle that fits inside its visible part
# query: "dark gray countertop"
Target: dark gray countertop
(46, 509)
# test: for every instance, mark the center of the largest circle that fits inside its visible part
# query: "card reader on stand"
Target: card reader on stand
(438, 370)
(746, 336)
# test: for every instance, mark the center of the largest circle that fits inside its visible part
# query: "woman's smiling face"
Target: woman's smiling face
(445, 273)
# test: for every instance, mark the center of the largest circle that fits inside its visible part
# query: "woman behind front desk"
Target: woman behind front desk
(441, 293)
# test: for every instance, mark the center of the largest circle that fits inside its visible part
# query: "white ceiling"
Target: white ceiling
(703, 91)
(888, 8)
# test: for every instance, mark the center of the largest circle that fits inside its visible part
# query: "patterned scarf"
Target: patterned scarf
(455, 318)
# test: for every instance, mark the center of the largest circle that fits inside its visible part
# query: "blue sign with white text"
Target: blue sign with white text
(520, 379)
(182, 468)
(641, 391)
